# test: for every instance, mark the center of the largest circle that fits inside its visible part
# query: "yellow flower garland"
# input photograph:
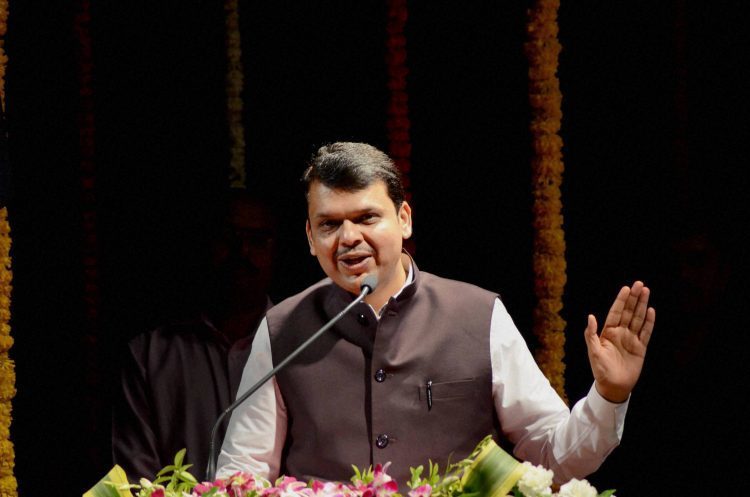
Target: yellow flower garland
(542, 49)
(235, 83)
(8, 484)
(8, 487)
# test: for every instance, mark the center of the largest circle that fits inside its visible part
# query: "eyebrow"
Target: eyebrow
(359, 212)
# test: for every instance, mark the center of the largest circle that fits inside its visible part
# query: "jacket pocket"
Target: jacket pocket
(448, 390)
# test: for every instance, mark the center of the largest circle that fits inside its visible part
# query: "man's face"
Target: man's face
(358, 233)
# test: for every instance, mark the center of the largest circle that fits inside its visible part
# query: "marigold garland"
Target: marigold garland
(397, 123)
(542, 49)
(8, 484)
(235, 84)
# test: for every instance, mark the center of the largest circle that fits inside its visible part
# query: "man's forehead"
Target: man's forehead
(323, 200)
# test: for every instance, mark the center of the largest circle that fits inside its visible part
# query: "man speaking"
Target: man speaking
(425, 367)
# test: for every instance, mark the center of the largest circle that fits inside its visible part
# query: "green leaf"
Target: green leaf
(357, 475)
(161, 480)
(416, 477)
(179, 457)
(607, 493)
(493, 471)
(365, 476)
(434, 477)
(166, 469)
(368, 475)
(472, 494)
(188, 477)
(114, 484)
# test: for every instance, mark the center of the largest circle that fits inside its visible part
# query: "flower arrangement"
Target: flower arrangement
(489, 471)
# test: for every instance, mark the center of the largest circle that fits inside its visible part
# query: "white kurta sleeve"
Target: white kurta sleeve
(257, 428)
(532, 416)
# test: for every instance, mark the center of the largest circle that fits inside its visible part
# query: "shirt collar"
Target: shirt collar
(405, 260)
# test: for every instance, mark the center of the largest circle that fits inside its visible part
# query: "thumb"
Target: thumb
(592, 339)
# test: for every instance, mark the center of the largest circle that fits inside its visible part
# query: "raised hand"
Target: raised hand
(616, 355)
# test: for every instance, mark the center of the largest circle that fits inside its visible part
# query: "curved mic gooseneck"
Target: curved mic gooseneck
(369, 283)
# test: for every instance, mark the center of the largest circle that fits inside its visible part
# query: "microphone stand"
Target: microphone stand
(367, 288)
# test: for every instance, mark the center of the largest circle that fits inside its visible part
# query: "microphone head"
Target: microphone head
(370, 281)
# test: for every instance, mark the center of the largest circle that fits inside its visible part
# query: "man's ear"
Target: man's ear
(308, 231)
(404, 218)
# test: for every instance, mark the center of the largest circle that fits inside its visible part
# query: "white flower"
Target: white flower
(577, 488)
(536, 481)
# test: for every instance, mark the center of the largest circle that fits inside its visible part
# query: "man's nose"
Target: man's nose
(350, 234)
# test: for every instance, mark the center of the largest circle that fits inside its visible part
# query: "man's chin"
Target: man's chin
(350, 283)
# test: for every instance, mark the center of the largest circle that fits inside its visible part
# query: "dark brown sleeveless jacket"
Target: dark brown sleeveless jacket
(359, 395)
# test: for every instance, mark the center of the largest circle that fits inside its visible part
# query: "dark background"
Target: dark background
(655, 131)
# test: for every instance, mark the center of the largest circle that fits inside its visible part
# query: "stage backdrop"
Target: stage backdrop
(654, 153)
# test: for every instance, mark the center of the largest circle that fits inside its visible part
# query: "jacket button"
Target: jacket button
(362, 319)
(382, 441)
(380, 375)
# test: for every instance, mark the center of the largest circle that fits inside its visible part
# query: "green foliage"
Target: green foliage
(366, 476)
(432, 479)
(447, 485)
(176, 476)
(175, 479)
(458, 480)
(114, 484)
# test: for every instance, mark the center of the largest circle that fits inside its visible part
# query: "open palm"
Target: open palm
(617, 353)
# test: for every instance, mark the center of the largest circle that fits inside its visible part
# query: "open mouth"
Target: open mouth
(354, 261)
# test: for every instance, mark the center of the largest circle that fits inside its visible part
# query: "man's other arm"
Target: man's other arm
(543, 430)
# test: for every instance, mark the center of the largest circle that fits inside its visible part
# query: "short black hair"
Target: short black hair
(351, 167)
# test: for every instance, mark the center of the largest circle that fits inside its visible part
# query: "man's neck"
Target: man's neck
(381, 296)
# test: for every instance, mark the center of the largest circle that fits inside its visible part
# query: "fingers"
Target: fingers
(629, 308)
(630, 304)
(615, 312)
(648, 326)
(639, 315)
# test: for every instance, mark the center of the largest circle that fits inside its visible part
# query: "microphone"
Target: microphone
(369, 284)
